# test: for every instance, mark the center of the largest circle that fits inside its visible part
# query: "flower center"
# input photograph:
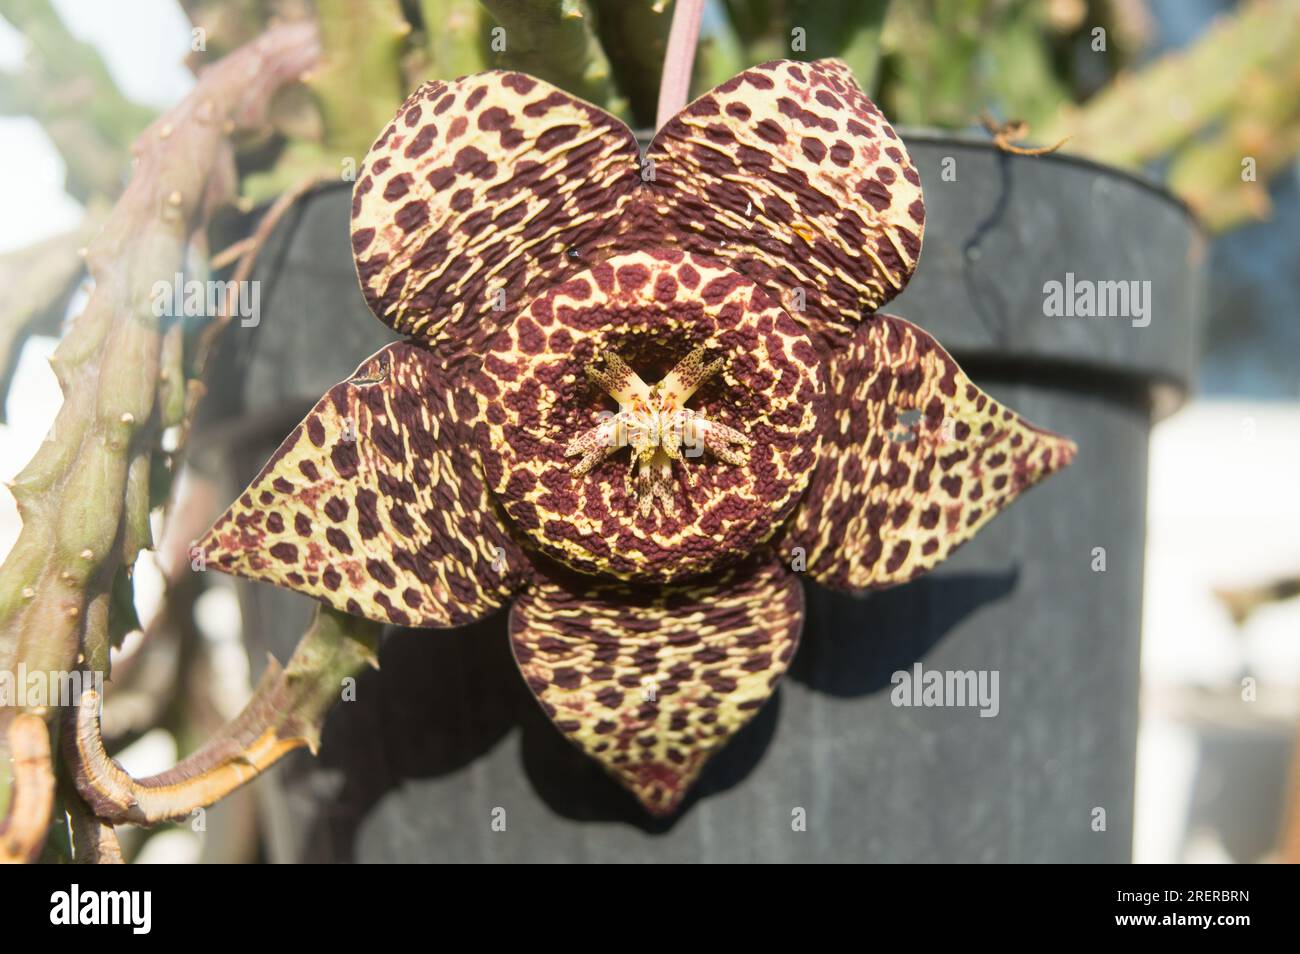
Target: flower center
(656, 424)
(567, 485)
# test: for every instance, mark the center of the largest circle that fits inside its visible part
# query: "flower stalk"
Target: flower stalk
(683, 37)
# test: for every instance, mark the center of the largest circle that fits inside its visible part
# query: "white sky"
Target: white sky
(143, 43)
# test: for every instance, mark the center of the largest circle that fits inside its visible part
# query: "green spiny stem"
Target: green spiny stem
(72, 495)
(226, 25)
(1169, 102)
(1263, 131)
(359, 83)
(171, 377)
(556, 41)
(453, 38)
(96, 640)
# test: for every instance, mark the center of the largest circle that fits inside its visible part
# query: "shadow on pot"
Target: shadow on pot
(439, 701)
(852, 645)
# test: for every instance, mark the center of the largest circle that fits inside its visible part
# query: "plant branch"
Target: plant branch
(94, 842)
(73, 494)
(358, 85)
(286, 712)
(1165, 104)
(23, 828)
(556, 40)
(453, 38)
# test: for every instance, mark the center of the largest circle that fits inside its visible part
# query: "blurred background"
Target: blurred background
(1181, 91)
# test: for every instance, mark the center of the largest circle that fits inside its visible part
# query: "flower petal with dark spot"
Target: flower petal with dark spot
(652, 682)
(913, 461)
(652, 308)
(815, 196)
(391, 520)
(498, 178)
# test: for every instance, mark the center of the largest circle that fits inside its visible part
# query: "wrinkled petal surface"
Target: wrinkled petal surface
(375, 504)
(914, 460)
(652, 308)
(792, 176)
(478, 193)
(651, 682)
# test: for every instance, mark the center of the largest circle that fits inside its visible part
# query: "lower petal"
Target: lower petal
(651, 682)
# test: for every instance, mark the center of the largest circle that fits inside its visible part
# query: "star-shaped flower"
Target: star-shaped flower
(651, 535)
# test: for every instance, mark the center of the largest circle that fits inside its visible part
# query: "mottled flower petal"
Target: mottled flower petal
(652, 681)
(914, 460)
(481, 190)
(543, 410)
(789, 174)
(375, 503)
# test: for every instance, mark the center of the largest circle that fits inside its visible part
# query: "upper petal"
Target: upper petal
(376, 505)
(652, 681)
(480, 190)
(914, 460)
(791, 175)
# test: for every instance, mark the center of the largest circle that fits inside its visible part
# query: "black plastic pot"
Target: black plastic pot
(446, 731)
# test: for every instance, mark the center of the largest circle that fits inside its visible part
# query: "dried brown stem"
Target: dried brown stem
(22, 831)
(286, 711)
(1005, 136)
(94, 842)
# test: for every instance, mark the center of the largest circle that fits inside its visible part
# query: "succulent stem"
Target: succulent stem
(556, 40)
(73, 495)
(23, 827)
(286, 712)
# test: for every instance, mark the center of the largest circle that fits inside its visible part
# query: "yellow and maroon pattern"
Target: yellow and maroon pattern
(481, 190)
(375, 504)
(651, 308)
(652, 681)
(506, 228)
(791, 175)
(914, 459)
